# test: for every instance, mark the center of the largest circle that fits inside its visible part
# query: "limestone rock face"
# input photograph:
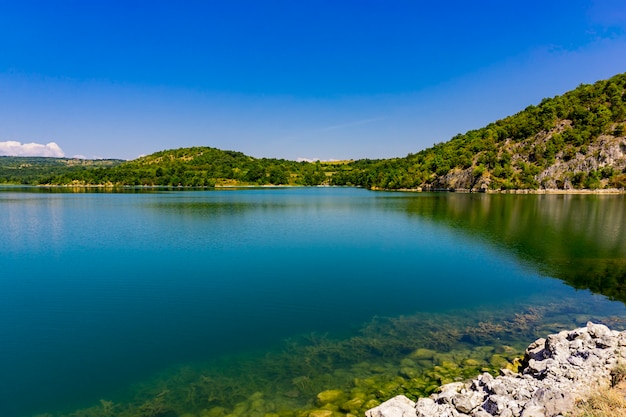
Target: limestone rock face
(605, 151)
(556, 372)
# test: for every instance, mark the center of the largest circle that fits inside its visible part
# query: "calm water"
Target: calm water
(99, 291)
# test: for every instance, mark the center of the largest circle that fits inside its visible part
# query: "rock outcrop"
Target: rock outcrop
(555, 372)
(606, 152)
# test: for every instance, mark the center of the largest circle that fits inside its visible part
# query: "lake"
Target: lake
(252, 301)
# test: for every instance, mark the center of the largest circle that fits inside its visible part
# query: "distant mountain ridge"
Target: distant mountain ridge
(573, 141)
(35, 169)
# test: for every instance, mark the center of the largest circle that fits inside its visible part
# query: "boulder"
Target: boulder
(399, 406)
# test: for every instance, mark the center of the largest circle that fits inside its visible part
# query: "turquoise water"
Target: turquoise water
(99, 291)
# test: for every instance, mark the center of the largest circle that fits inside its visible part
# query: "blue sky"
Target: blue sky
(287, 79)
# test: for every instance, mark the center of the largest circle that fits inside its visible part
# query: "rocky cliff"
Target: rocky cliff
(597, 165)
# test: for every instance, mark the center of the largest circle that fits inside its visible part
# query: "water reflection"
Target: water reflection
(40, 189)
(580, 239)
(30, 224)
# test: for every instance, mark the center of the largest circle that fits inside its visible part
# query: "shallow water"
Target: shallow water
(107, 295)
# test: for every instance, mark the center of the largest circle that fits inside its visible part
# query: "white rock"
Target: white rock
(399, 406)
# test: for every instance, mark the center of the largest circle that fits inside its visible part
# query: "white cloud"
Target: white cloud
(14, 148)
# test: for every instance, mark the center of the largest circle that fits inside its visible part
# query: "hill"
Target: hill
(201, 167)
(573, 141)
(567, 142)
(34, 170)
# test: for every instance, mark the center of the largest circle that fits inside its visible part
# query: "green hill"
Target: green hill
(34, 170)
(201, 167)
(573, 141)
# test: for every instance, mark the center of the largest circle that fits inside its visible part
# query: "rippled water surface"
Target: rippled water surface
(100, 292)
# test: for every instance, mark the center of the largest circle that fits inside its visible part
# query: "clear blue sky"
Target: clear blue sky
(288, 79)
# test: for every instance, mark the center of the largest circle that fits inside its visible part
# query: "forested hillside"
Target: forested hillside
(572, 141)
(34, 170)
(202, 167)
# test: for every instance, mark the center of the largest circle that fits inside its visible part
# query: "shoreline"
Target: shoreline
(608, 191)
(556, 374)
(585, 191)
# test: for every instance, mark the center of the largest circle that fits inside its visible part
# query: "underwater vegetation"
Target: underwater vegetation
(319, 376)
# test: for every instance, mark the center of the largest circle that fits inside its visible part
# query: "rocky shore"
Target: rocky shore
(555, 373)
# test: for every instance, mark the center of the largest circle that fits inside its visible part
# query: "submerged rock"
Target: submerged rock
(353, 405)
(320, 413)
(423, 354)
(555, 372)
(329, 396)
